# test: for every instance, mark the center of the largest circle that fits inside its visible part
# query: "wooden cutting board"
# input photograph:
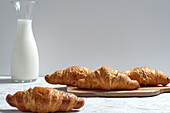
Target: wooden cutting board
(140, 92)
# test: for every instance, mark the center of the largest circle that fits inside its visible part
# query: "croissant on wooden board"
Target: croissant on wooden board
(44, 99)
(145, 75)
(69, 76)
(104, 78)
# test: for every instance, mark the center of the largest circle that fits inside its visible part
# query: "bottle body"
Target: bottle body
(24, 57)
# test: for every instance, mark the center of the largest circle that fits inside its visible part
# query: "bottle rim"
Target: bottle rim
(21, 1)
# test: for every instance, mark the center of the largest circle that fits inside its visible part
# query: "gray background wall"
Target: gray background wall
(92, 33)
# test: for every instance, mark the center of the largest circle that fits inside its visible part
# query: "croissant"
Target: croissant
(44, 99)
(107, 78)
(104, 78)
(69, 76)
(145, 75)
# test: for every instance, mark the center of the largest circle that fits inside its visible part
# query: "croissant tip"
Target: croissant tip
(47, 77)
(79, 104)
(9, 99)
(137, 85)
(169, 79)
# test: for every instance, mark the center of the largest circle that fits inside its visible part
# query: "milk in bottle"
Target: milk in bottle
(24, 57)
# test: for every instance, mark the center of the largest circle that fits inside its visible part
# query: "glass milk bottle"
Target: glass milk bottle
(24, 57)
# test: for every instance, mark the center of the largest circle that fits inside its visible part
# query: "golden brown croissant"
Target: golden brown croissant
(68, 76)
(104, 78)
(43, 99)
(107, 78)
(145, 75)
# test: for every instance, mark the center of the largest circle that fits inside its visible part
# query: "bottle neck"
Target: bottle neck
(24, 8)
(24, 28)
(24, 23)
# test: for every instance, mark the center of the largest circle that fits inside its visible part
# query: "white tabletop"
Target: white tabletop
(155, 104)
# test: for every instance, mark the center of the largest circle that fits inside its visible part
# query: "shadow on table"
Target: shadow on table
(7, 79)
(4, 81)
(17, 111)
(10, 111)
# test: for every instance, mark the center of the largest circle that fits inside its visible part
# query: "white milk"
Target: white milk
(24, 58)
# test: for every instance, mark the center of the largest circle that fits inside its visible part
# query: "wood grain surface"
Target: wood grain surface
(140, 92)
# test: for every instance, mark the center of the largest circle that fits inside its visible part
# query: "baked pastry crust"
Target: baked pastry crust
(44, 99)
(145, 75)
(104, 78)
